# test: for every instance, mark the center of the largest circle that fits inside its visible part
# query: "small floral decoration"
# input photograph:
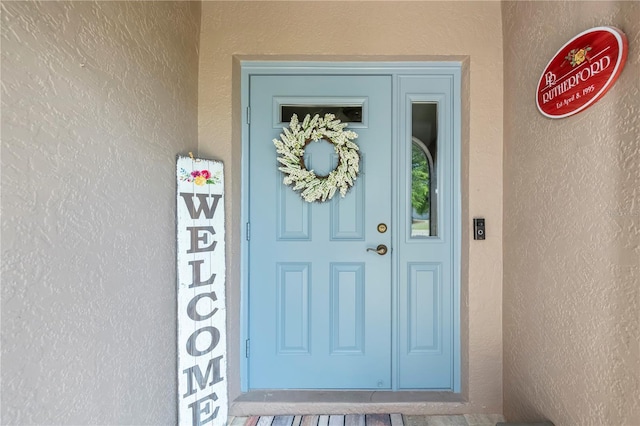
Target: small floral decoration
(578, 56)
(199, 177)
(291, 147)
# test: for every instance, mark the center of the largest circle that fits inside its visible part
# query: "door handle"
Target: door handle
(381, 249)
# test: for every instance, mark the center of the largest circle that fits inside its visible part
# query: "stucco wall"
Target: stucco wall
(376, 31)
(572, 229)
(97, 100)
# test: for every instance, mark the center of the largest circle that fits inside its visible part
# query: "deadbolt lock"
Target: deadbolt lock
(382, 228)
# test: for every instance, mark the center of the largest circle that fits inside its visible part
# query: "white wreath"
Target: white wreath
(291, 148)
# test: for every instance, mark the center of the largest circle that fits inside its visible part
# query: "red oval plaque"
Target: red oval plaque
(582, 71)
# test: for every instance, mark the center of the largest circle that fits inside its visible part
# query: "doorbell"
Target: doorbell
(478, 228)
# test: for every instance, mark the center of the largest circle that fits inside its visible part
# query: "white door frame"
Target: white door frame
(454, 69)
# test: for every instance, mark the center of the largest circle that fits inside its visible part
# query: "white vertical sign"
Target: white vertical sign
(202, 349)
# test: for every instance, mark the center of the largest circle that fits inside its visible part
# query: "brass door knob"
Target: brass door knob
(381, 249)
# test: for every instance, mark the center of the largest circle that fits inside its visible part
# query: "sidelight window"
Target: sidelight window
(424, 151)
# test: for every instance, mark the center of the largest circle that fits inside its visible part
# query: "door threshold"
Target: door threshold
(292, 402)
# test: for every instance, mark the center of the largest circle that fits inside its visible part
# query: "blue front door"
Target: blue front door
(324, 311)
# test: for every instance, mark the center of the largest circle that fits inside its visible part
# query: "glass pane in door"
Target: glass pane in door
(424, 156)
(344, 113)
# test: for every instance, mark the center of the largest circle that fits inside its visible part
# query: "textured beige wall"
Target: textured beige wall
(572, 229)
(97, 99)
(389, 31)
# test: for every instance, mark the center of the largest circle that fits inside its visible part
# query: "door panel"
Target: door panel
(426, 259)
(319, 303)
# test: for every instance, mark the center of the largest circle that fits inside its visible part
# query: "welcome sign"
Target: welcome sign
(581, 72)
(202, 365)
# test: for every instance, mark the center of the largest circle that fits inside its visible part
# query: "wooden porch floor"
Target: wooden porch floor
(368, 420)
